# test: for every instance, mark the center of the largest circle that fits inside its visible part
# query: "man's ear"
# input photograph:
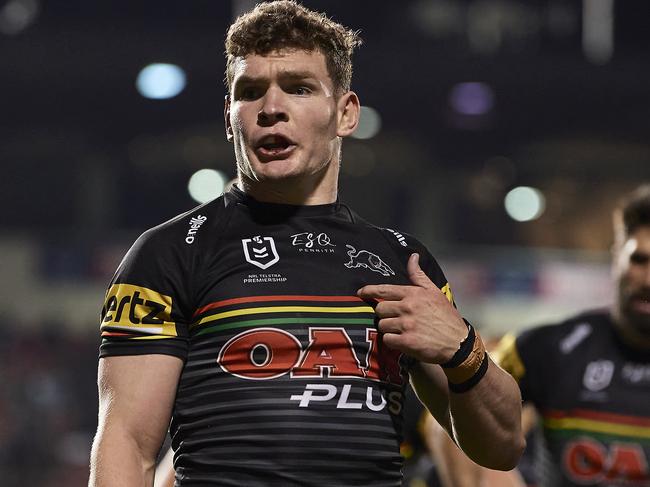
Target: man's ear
(348, 109)
(226, 118)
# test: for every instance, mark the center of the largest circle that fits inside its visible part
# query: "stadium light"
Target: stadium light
(206, 185)
(524, 203)
(160, 81)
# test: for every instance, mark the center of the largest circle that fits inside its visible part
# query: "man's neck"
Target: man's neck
(290, 192)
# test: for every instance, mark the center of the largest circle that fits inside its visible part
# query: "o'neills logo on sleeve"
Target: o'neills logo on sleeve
(400, 238)
(195, 224)
(134, 308)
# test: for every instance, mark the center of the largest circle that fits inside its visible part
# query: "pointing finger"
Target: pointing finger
(389, 292)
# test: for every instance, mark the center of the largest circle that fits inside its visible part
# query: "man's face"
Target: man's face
(283, 116)
(632, 272)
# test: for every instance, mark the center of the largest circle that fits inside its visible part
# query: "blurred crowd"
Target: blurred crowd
(48, 404)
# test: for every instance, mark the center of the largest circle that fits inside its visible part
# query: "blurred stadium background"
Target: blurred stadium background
(500, 132)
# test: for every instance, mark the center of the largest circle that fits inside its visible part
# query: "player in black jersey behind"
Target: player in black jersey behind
(588, 378)
(274, 327)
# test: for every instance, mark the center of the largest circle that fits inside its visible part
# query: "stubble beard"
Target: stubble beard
(629, 318)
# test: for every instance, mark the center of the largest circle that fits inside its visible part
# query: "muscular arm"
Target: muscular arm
(456, 470)
(484, 421)
(136, 395)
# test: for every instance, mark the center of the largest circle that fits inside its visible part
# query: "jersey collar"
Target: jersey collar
(237, 196)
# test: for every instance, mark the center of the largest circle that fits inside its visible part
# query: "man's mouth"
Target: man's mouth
(274, 147)
(641, 305)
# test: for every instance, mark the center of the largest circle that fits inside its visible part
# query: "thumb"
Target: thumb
(416, 274)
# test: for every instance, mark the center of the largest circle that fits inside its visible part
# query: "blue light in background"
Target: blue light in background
(160, 81)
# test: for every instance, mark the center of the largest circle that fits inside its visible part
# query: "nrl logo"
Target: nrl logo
(598, 375)
(366, 259)
(260, 251)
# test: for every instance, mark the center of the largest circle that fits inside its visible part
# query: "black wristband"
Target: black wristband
(472, 381)
(465, 349)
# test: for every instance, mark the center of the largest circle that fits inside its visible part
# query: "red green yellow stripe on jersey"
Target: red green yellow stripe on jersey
(281, 310)
(596, 423)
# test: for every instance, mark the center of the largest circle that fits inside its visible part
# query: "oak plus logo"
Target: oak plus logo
(364, 258)
(260, 251)
(312, 242)
(588, 461)
(330, 355)
(195, 224)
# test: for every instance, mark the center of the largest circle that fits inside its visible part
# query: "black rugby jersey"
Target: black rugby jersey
(593, 395)
(285, 381)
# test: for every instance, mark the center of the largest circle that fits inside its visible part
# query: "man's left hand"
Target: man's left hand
(418, 319)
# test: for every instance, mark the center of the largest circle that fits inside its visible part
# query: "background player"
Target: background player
(588, 378)
(268, 358)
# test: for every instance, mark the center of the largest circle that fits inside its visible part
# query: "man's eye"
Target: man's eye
(250, 93)
(301, 90)
(639, 258)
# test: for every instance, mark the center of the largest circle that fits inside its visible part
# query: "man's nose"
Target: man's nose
(273, 108)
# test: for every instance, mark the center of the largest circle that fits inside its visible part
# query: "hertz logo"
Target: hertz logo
(127, 306)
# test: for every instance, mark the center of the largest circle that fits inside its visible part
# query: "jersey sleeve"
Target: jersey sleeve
(427, 263)
(433, 271)
(405, 244)
(146, 307)
(526, 357)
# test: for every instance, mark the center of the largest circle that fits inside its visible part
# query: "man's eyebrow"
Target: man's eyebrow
(247, 79)
(297, 74)
(284, 75)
